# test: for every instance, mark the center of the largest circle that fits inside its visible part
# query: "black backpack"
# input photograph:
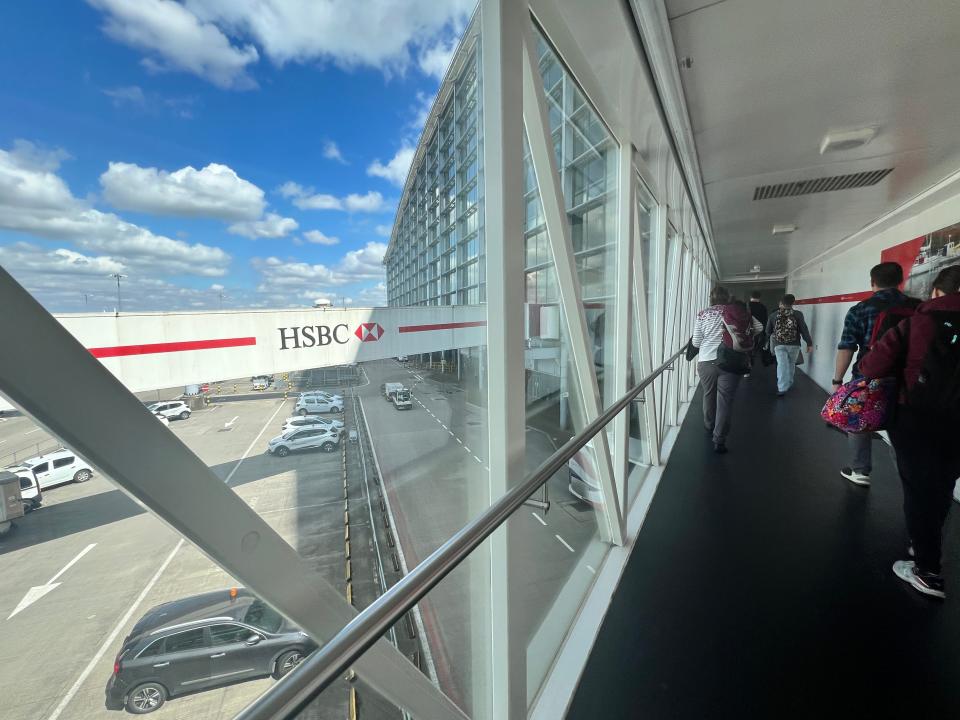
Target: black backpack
(937, 390)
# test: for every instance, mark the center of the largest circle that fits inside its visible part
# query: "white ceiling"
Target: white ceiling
(770, 77)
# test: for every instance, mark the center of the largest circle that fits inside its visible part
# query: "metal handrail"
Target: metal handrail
(334, 658)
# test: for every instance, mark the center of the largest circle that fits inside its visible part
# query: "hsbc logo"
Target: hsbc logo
(307, 336)
(369, 332)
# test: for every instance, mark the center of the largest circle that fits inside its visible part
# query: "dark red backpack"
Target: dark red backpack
(890, 315)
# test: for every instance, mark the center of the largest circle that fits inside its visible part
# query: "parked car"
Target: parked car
(30, 492)
(321, 394)
(308, 438)
(402, 358)
(299, 421)
(312, 405)
(202, 642)
(171, 409)
(55, 468)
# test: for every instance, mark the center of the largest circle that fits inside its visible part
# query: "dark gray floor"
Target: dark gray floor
(761, 585)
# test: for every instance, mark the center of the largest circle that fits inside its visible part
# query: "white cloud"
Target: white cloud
(306, 199)
(332, 152)
(435, 60)
(215, 191)
(374, 296)
(383, 230)
(271, 226)
(130, 95)
(318, 238)
(35, 200)
(216, 287)
(24, 257)
(174, 38)
(396, 170)
(279, 276)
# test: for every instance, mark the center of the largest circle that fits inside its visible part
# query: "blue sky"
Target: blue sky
(254, 148)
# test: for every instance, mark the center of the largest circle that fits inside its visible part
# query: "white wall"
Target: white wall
(846, 269)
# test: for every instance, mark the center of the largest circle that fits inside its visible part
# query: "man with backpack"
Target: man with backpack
(923, 353)
(724, 334)
(865, 323)
(759, 312)
(785, 328)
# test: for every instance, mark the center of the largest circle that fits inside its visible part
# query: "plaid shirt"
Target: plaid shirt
(858, 324)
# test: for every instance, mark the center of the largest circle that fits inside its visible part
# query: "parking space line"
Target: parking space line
(539, 519)
(565, 543)
(32, 431)
(58, 710)
(254, 442)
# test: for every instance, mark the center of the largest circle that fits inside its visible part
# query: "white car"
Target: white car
(321, 394)
(307, 438)
(299, 421)
(55, 468)
(162, 419)
(312, 405)
(171, 409)
(402, 358)
(30, 493)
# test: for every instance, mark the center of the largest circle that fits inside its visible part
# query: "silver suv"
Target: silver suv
(308, 438)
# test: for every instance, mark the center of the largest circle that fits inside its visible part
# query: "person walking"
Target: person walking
(785, 327)
(719, 386)
(923, 352)
(759, 311)
(858, 329)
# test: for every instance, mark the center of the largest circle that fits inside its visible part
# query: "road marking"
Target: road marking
(451, 433)
(591, 570)
(565, 543)
(478, 459)
(539, 519)
(254, 442)
(444, 427)
(466, 448)
(460, 441)
(32, 431)
(113, 635)
(38, 591)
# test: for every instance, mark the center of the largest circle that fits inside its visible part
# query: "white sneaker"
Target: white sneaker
(926, 583)
(956, 491)
(856, 477)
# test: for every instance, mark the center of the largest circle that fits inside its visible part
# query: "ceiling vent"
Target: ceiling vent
(820, 185)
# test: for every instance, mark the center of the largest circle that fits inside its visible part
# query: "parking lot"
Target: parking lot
(109, 561)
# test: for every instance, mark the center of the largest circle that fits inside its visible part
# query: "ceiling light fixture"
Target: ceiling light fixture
(784, 229)
(837, 140)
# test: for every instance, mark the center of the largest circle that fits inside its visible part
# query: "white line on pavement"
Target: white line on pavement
(591, 570)
(478, 459)
(539, 519)
(444, 426)
(466, 448)
(73, 562)
(247, 451)
(460, 441)
(451, 433)
(113, 635)
(564, 543)
(32, 431)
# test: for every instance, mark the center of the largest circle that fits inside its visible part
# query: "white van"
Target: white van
(29, 488)
(58, 467)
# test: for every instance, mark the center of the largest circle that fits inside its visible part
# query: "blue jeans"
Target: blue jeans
(786, 365)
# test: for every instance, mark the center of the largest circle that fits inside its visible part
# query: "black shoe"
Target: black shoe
(781, 394)
(720, 448)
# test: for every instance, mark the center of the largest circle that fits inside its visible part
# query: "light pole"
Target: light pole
(118, 276)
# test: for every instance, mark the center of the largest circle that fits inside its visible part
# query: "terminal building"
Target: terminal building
(548, 532)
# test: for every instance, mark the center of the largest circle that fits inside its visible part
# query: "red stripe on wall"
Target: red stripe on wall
(441, 326)
(154, 348)
(848, 297)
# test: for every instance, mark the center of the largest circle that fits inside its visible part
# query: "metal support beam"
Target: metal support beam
(502, 106)
(91, 411)
(622, 331)
(558, 234)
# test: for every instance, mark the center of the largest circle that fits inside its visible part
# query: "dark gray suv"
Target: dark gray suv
(202, 642)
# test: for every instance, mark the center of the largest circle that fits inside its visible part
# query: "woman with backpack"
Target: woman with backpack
(724, 334)
(785, 328)
(923, 353)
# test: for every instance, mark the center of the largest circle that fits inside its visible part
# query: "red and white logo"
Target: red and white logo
(369, 332)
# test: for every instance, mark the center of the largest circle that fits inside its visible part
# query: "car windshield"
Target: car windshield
(263, 617)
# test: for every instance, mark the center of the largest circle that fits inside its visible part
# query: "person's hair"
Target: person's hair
(948, 280)
(755, 295)
(719, 296)
(788, 300)
(886, 275)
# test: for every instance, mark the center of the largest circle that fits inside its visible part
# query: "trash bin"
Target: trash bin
(11, 504)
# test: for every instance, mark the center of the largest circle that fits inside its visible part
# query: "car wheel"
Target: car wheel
(303, 412)
(184, 415)
(282, 451)
(146, 698)
(287, 662)
(338, 409)
(82, 476)
(328, 447)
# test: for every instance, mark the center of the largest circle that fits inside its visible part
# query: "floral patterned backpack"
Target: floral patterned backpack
(861, 405)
